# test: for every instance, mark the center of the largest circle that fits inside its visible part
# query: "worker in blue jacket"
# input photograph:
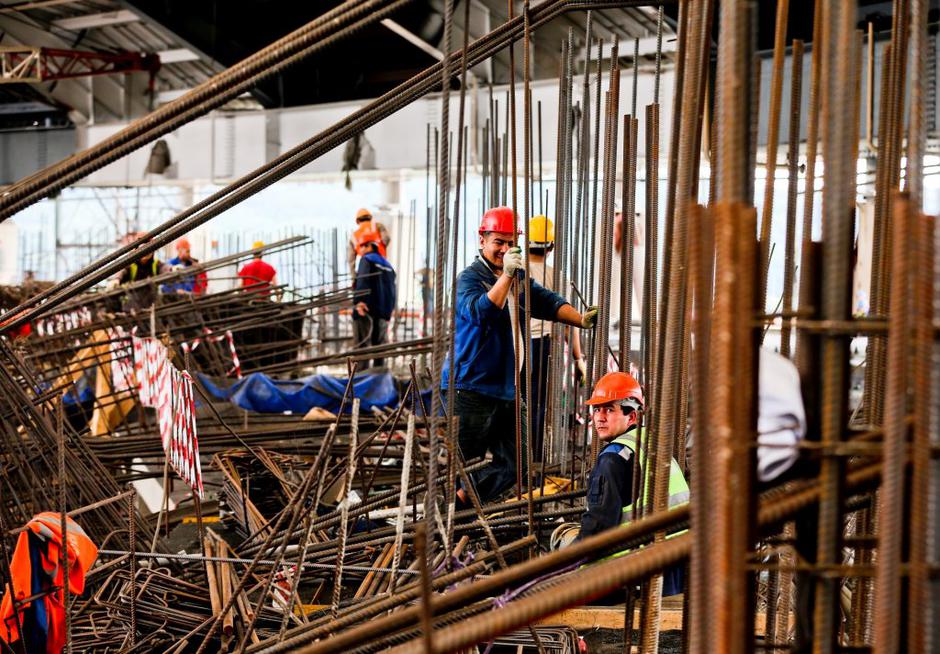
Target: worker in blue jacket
(484, 359)
(375, 277)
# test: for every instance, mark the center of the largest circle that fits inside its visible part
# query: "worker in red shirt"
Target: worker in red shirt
(258, 276)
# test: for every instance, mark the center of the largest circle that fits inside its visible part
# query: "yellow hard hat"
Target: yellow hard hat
(257, 244)
(541, 231)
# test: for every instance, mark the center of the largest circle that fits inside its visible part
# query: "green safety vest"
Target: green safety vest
(678, 487)
(153, 268)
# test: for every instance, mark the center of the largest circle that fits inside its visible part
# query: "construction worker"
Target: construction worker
(191, 284)
(484, 361)
(258, 276)
(541, 243)
(376, 278)
(146, 266)
(367, 231)
(616, 403)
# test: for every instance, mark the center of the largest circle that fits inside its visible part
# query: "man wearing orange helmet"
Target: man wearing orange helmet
(367, 231)
(616, 405)
(193, 284)
(484, 360)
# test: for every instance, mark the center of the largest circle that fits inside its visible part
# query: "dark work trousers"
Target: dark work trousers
(541, 348)
(488, 424)
(364, 338)
(807, 526)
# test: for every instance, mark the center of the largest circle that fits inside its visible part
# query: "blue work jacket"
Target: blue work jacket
(376, 276)
(483, 339)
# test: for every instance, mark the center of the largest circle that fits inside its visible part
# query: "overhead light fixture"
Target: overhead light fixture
(159, 158)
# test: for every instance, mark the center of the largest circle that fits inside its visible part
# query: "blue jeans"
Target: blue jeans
(488, 424)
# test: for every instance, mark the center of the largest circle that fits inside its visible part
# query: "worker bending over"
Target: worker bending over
(616, 404)
(540, 245)
(376, 278)
(146, 266)
(258, 276)
(367, 231)
(484, 361)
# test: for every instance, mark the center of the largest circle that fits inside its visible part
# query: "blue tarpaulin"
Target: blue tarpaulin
(258, 392)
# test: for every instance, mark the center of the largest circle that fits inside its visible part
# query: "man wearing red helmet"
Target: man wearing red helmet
(483, 365)
(616, 405)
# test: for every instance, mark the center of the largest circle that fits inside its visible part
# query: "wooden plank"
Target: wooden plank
(586, 618)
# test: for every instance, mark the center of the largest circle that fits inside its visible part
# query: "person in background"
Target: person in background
(258, 276)
(426, 284)
(367, 231)
(146, 266)
(375, 299)
(542, 242)
(191, 284)
(484, 360)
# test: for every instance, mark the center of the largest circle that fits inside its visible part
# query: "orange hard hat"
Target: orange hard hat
(498, 219)
(363, 213)
(614, 387)
(182, 244)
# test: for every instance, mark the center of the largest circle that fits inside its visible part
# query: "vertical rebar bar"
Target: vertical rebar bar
(838, 229)
(789, 263)
(891, 533)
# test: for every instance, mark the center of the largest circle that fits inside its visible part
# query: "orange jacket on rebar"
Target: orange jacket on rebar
(82, 554)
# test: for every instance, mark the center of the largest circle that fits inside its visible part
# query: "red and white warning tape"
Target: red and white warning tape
(170, 392)
(236, 368)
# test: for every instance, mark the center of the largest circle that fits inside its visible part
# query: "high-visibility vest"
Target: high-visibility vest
(678, 487)
(154, 264)
(368, 233)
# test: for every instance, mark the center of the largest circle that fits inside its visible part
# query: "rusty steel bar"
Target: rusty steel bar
(701, 258)
(427, 610)
(839, 138)
(662, 438)
(921, 621)
(773, 138)
(891, 528)
(917, 132)
(789, 263)
(731, 429)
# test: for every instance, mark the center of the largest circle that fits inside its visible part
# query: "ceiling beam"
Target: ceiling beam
(109, 93)
(413, 38)
(647, 47)
(177, 55)
(39, 4)
(91, 21)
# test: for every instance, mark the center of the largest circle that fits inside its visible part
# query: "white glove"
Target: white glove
(512, 262)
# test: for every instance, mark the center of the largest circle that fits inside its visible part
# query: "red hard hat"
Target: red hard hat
(183, 243)
(498, 219)
(616, 386)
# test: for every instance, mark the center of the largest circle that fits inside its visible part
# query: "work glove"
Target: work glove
(589, 318)
(512, 262)
(581, 366)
